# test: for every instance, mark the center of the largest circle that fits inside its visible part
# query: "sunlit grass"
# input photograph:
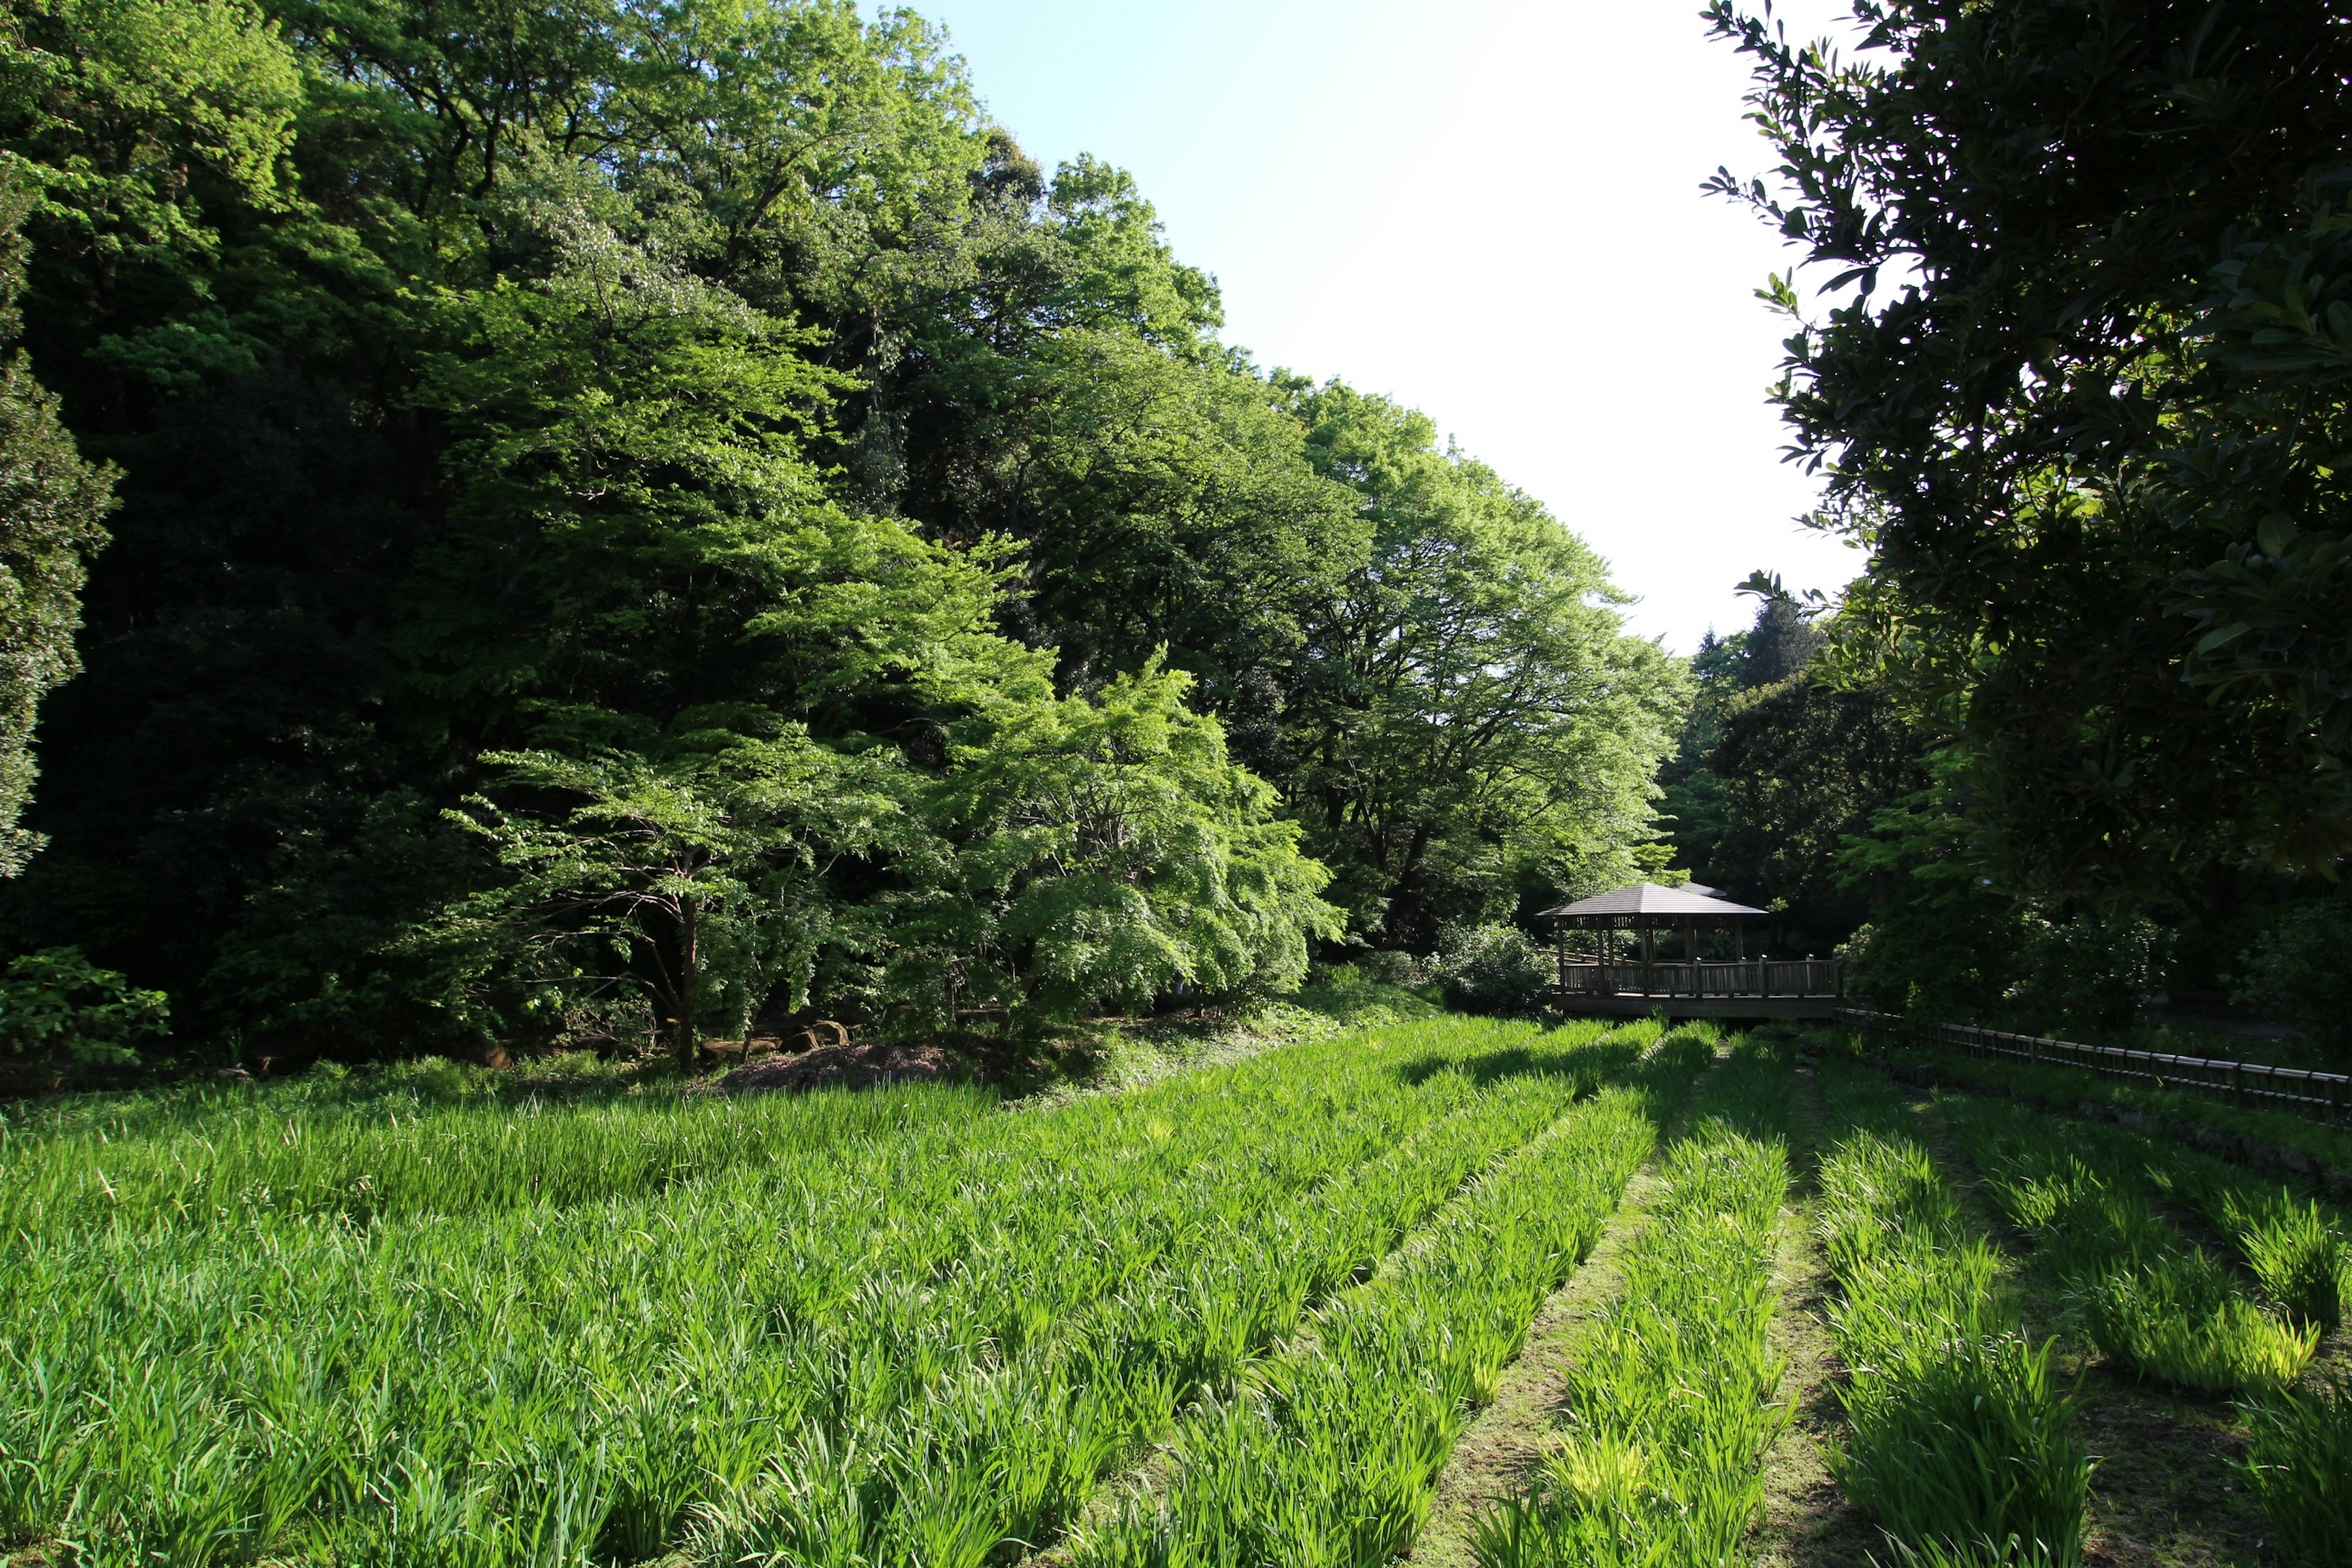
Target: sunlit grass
(567, 1333)
(2300, 1464)
(2149, 1300)
(1670, 1407)
(1329, 1453)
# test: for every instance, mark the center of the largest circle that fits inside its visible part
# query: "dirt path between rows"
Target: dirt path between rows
(1505, 1443)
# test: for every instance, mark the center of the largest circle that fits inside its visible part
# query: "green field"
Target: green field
(905, 1326)
(1241, 1315)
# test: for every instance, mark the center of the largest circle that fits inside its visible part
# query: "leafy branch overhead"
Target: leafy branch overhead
(2079, 385)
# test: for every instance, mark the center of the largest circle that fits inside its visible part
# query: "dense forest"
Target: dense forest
(544, 524)
(616, 515)
(2076, 379)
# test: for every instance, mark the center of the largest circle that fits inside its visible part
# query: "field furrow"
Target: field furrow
(1328, 1453)
(1669, 1411)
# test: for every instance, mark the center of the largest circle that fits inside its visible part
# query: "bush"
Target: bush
(1391, 968)
(1491, 968)
(2299, 974)
(56, 1003)
(2089, 969)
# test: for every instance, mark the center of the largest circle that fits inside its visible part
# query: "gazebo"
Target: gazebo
(1609, 983)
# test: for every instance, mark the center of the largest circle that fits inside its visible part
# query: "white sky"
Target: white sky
(1487, 209)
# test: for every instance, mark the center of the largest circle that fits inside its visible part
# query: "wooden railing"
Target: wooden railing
(1757, 978)
(2256, 1085)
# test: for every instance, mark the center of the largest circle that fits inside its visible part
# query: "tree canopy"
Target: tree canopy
(632, 516)
(2081, 389)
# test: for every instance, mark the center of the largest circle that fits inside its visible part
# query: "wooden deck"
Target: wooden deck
(1749, 988)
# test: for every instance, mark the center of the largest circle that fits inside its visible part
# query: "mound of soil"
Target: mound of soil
(852, 1066)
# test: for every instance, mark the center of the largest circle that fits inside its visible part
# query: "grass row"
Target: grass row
(1960, 1440)
(1670, 1408)
(1329, 1453)
(555, 1384)
(2148, 1298)
(2063, 1087)
(2170, 1310)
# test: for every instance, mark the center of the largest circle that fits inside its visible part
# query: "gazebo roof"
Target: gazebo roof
(1649, 898)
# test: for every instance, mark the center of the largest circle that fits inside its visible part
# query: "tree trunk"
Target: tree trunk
(689, 1043)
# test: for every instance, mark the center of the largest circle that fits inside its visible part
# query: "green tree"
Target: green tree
(2082, 403)
(1110, 852)
(1471, 715)
(699, 883)
(1804, 765)
(51, 505)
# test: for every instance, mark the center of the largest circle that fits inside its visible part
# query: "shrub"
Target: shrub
(2089, 969)
(56, 1003)
(1392, 968)
(1491, 968)
(2297, 972)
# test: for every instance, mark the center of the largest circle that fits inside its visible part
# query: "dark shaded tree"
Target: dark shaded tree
(2082, 404)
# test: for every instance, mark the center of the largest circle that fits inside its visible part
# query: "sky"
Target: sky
(1485, 209)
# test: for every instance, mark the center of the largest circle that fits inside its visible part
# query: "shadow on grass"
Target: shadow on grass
(1588, 1067)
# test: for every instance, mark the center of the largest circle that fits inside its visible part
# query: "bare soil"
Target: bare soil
(851, 1066)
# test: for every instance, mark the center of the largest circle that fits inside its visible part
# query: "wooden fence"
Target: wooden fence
(1747, 977)
(2255, 1085)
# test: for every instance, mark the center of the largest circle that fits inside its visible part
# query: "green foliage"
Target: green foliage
(695, 884)
(2178, 1318)
(1960, 1443)
(1945, 939)
(2295, 970)
(1802, 767)
(1670, 1407)
(57, 1004)
(1474, 713)
(627, 386)
(51, 502)
(1333, 1448)
(2300, 1466)
(1491, 968)
(2079, 388)
(1111, 851)
(895, 1316)
(2149, 1300)
(2294, 1253)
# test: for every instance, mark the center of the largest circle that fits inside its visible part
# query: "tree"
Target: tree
(1470, 711)
(2082, 405)
(699, 883)
(52, 504)
(1801, 760)
(1802, 765)
(635, 384)
(1110, 852)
